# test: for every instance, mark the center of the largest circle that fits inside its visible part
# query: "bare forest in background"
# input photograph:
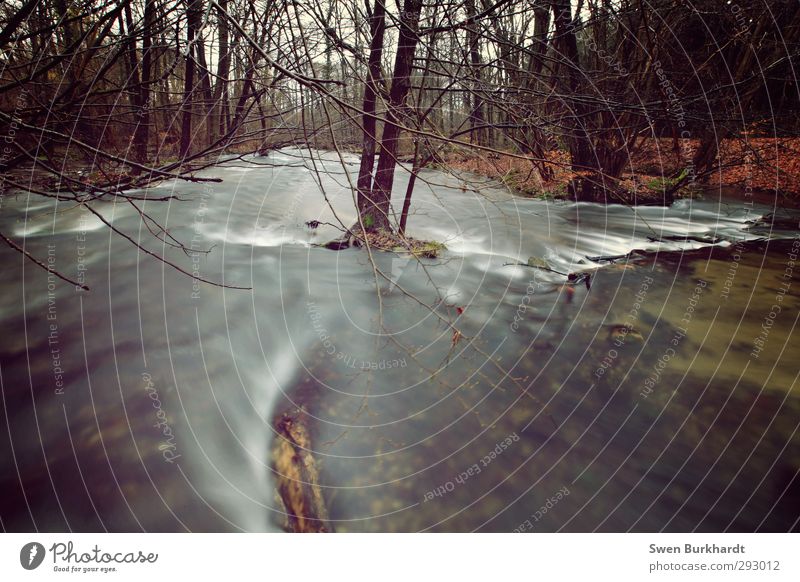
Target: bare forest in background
(97, 98)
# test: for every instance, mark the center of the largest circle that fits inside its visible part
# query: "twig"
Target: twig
(36, 261)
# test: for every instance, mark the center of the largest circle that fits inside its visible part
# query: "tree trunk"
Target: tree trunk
(476, 117)
(193, 16)
(378, 215)
(412, 180)
(142, 135)
(205, 86)
(371, 88)
(585, 186)
(223, 70)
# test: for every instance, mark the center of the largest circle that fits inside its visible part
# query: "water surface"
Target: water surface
(637, 402)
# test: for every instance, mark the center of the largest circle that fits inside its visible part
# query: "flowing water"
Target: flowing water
(466, 392)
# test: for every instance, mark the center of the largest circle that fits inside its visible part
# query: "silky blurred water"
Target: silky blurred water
(148, 402)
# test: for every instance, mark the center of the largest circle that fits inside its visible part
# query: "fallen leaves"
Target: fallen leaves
(757, 163)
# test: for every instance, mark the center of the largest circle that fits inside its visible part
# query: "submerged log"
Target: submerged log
(297, 474)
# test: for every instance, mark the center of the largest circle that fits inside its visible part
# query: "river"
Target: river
(660, 393)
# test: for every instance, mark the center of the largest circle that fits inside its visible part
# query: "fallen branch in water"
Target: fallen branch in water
(611, 258)
(297, 474)
(573, 278)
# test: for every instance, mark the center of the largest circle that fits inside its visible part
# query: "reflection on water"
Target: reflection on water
(662, 397)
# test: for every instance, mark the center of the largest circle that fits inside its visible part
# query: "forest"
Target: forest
(399, 265)
(596, 100)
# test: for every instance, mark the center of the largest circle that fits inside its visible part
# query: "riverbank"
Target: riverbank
(761, 165)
